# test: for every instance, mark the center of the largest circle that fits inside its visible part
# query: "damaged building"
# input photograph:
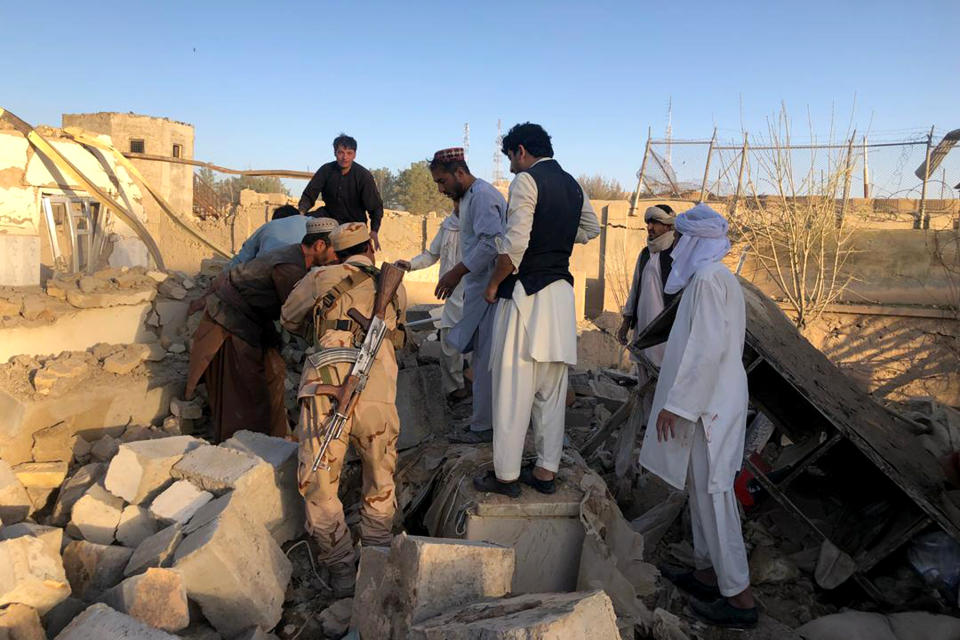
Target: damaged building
(119, 518)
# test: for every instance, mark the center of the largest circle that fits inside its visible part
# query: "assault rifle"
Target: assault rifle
(345, 395)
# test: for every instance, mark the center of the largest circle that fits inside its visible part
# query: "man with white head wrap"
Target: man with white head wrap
(697, 426)
(646, 299)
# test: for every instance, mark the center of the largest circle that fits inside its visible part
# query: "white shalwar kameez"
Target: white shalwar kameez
(445, 247)
(536, 338)
(703, 381)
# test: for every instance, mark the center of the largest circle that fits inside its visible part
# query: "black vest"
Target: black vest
(556, 219)
(666, 263)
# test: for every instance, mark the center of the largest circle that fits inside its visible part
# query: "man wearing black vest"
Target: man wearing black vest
(647, 299)
(535, 330)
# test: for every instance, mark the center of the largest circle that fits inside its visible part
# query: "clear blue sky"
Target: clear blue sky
(268, 85)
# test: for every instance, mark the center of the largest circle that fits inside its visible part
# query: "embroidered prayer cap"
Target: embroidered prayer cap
(658, 215)
(349, 235)
(449, 155)
(321, 225)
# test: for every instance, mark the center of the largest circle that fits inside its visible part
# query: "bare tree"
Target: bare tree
(795, 223)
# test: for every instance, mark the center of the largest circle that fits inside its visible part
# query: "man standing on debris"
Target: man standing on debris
(647, 299)
(348, 189)
(445, 247)
(696, 430)
(482, 212)
(235, 345)
(536, 326)
(328, 294)
(286, 227)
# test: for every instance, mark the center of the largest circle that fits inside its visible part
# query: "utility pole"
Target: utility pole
(466, 141)
(669, 130)
(497, 174)
(926, 177)
(706, 168)
(866, 171)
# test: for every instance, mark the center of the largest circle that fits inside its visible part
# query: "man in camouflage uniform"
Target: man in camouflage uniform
(326, 295)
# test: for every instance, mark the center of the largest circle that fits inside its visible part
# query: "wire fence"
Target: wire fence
(888, 168)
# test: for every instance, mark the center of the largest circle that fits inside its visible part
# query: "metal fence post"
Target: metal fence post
(847, 171)
(743, 165)
(706, 168)
(926, 177)
(643, 168)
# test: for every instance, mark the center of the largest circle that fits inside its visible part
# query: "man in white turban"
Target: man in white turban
(697, 426)
(646, 298)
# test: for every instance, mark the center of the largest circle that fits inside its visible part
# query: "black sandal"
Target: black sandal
(543, 486)
(685, 580)
(491, 484)
(723, 614)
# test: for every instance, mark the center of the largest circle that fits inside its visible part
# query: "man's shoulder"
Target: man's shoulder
(483, 187)
(361, 171)
(715, 274)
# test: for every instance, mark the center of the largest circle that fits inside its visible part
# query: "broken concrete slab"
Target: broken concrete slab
(59, 442)
(39, 498)
(96, 515)
(862, 625)
(335, 619)
(32, 574)
(136, 525)
(104, 449)
(126, 360)
(59, 372)
(20, 622)
(157, 598)
(610, 394)
(190, 409)
(276, 451)
(93, 568)
(427, 576)
(51, 536)
(155, 551)
(220, 469)
(15, 504)
(236, 573)
(767, 565)
(73, 489)
(255, 633)
(571, 616)
(367, 595)
(100, 622)
(420, 415)
(41, 475)
(141, 470)
(179, 502)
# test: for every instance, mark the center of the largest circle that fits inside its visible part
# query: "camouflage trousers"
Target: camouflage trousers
(373, 430)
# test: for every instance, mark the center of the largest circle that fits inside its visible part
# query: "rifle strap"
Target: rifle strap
(329, 299)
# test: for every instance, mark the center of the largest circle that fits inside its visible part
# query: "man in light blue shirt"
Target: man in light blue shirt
(286, 227)
(483, 211)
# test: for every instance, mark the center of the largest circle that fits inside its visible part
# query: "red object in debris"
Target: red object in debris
(741, 486)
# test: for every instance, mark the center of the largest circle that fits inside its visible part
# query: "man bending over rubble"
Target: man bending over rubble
(701, 409)
(327, 295)
(235, 346)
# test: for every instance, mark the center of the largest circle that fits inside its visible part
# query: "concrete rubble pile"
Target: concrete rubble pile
(162, 533)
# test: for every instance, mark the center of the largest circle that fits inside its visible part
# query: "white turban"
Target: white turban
(659, 215)
(703, 242)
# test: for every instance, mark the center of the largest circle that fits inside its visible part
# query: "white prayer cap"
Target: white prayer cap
(703, 242)
(658, 214)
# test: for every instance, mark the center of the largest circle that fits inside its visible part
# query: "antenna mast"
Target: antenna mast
(466, 141)
(497, 173)
(669, 128)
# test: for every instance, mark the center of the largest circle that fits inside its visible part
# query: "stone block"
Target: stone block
(126, 360)
(93, 568)
(219, 469)
(420, 414)
(51, 536)
(284, 517)
(155, 551)
(136, 525)
(105, 448)
(41, 475)
(73, 489)
(157, 352)
(141, 470)
(571, 616)
(100, 622)
(59, 372)
(20, 622)
(15, 504)
(179, 502)
(32, 574)
(610, 394)
(39, 498)
(116, 298)
(190, 409)
(255, 633)
(59, 442)
(96, 515)
(157, 598)
(335, 619)
(60, 616)
(236, 573)
(427, 576)
(199, 631)
(170, 289)
(365, 614)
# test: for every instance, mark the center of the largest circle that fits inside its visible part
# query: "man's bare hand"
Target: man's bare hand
(490, 294)
(375, 239)
(622, 331)
(666, 425)
(448, 282)
(403, 264)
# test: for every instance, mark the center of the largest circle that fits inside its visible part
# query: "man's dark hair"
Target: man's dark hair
(665, 207)
(533, 137)
(311, 239)
(285, 211)
(345, 141)
(355, 250)
(450, 166)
